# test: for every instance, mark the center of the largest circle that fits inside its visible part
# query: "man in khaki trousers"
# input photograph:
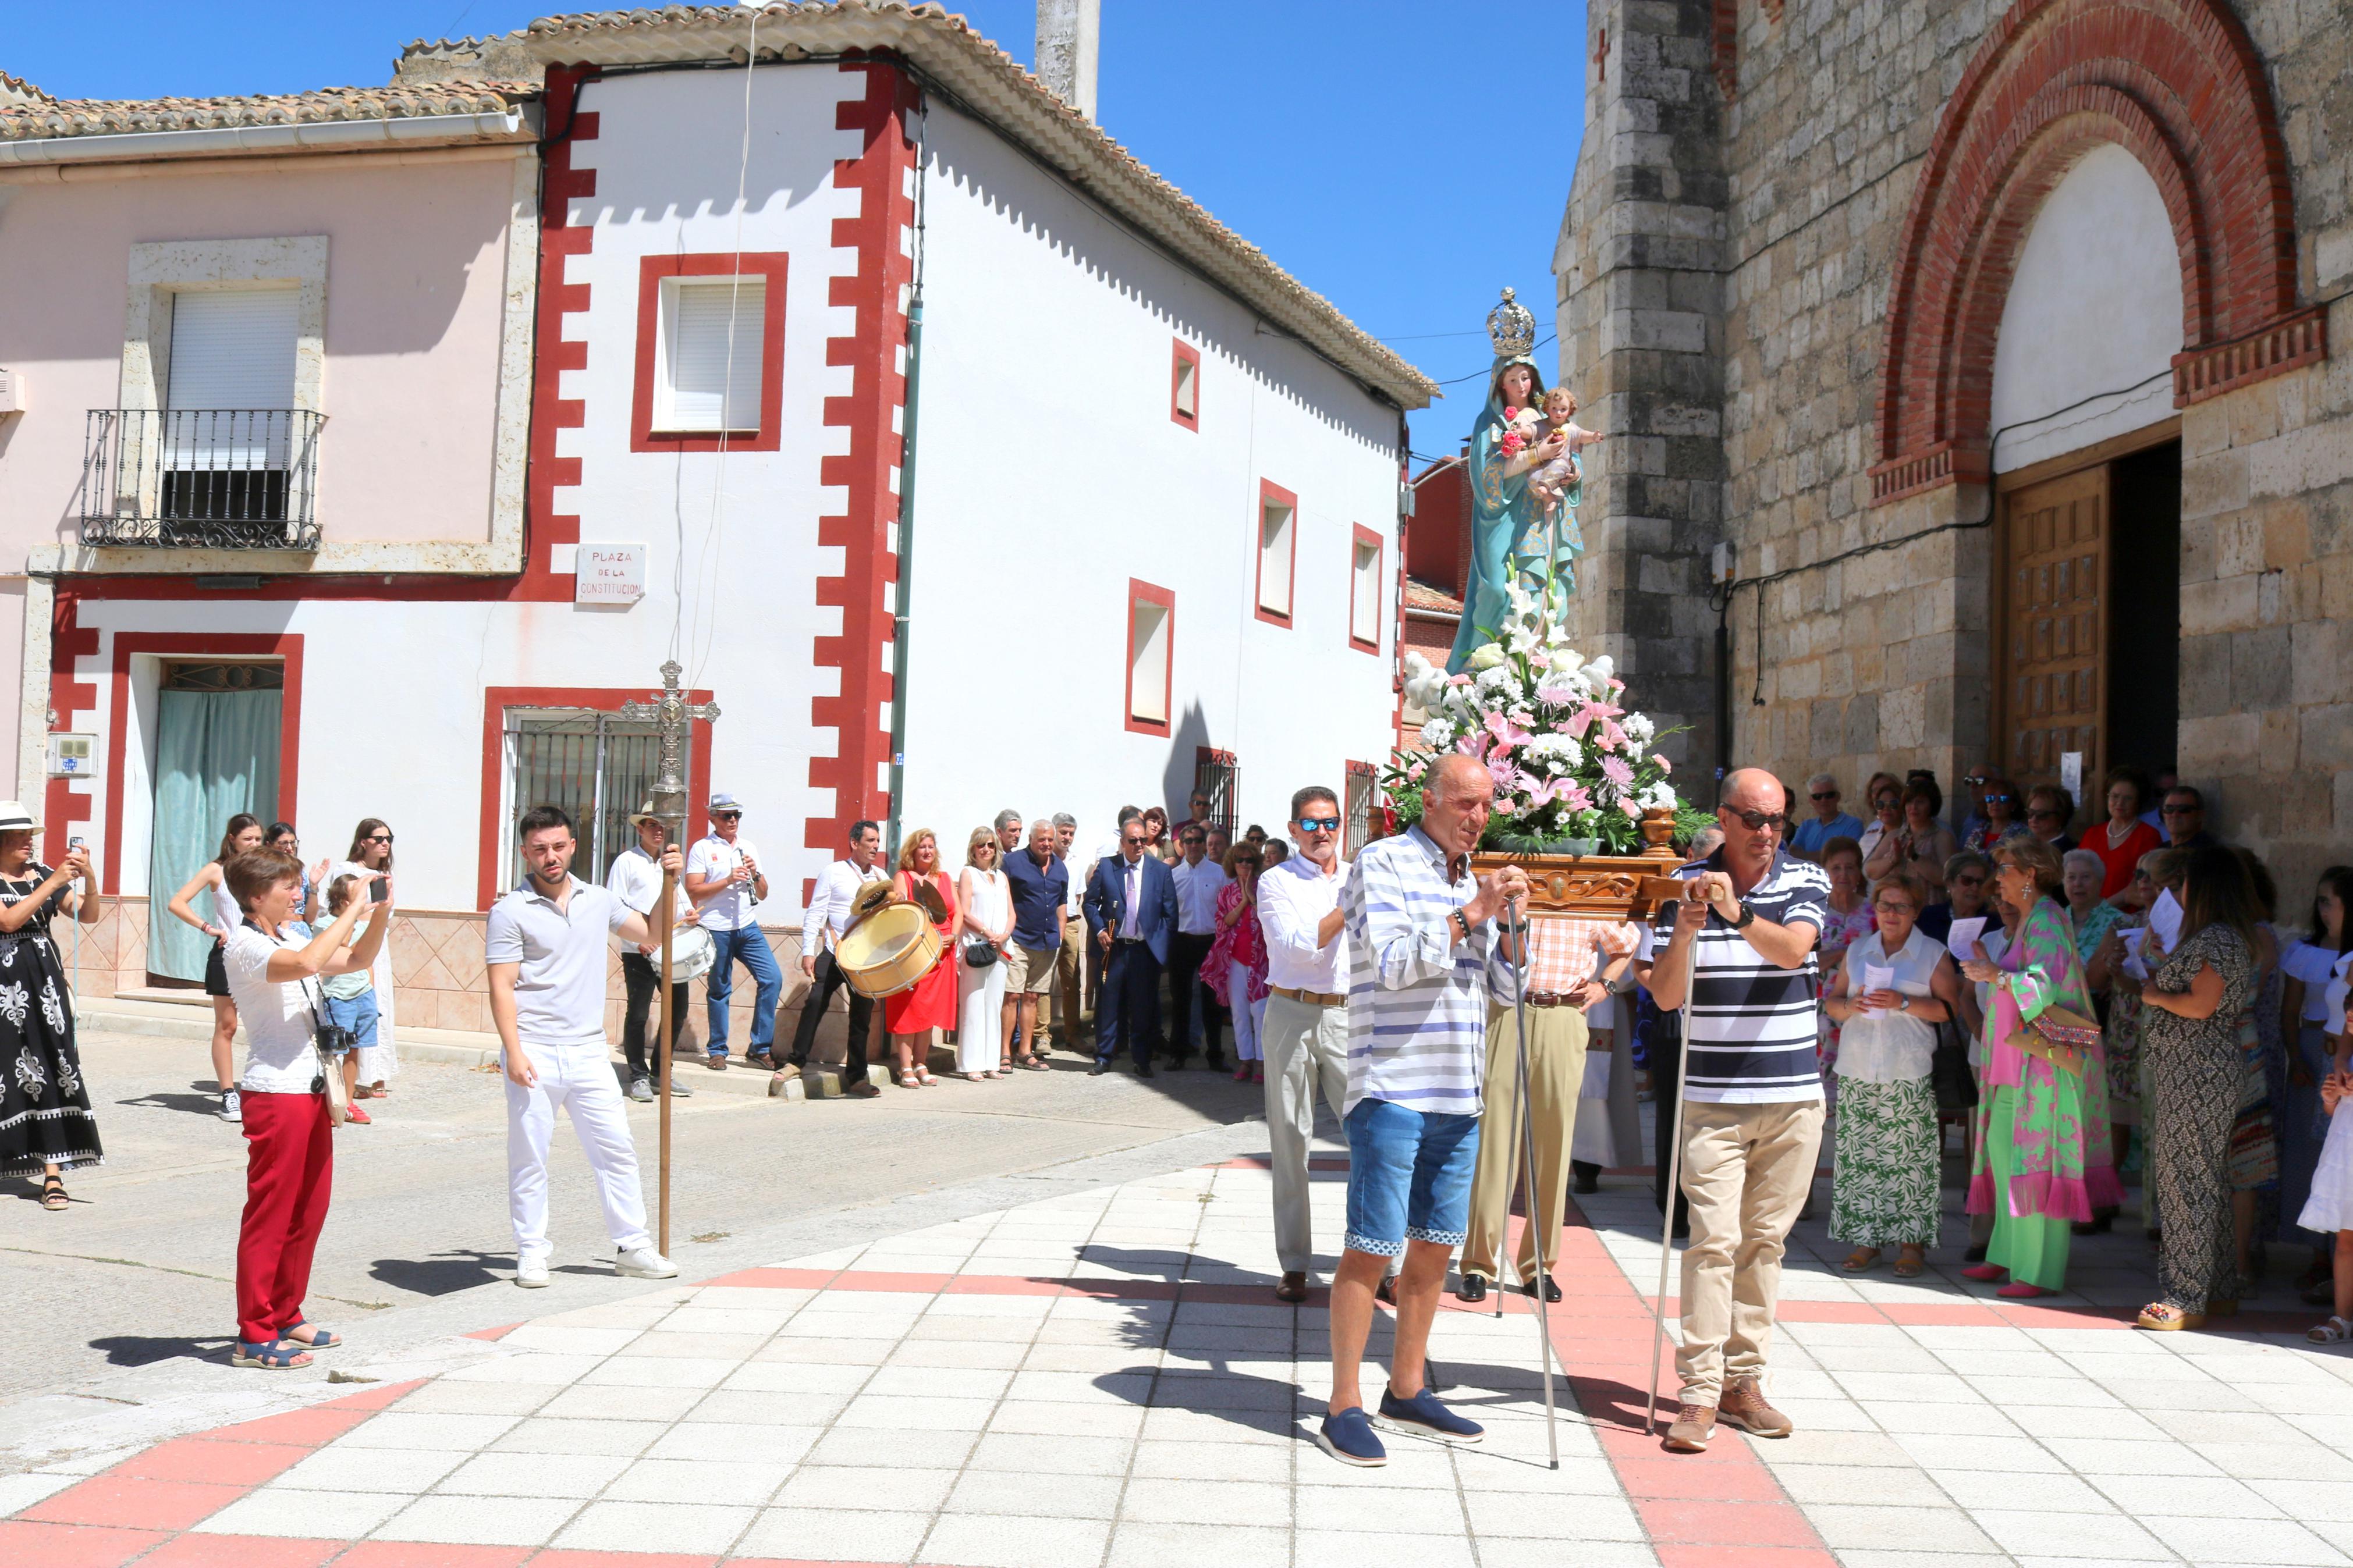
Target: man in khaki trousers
(1564, 954)
(1743, 950)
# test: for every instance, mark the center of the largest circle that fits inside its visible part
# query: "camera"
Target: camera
(334, 1037)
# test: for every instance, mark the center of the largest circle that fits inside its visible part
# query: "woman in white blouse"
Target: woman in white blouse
(985, 918)
(1896, 986)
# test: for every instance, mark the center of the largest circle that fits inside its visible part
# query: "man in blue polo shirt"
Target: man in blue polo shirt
(1744, 952)
(1827, 822)
(1039, 885)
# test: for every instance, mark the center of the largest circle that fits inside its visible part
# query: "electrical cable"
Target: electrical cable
(715, 532)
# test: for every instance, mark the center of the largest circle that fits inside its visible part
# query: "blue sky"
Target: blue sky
(1362, 146)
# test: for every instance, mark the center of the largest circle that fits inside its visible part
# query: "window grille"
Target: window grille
(1364, 788)
(1218, 775)
(598, 767)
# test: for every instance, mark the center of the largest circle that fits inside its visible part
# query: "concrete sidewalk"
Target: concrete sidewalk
(1102, 1379)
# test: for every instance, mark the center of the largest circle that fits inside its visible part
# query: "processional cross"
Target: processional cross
(672, 713)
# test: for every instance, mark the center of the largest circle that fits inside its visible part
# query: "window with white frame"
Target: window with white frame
(1151, 637)
(1278, 512)
(1365, 590)
(711, 353)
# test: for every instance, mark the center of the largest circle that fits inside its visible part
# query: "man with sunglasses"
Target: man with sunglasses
(1828, 821)
(1198, 881)
(1304, 1035)
(724, 879)
(2185, 819)
(1740, 946)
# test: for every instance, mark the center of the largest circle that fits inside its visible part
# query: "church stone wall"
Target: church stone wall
(1762, 225)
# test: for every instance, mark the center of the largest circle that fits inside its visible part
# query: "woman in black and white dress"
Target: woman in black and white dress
(45, 1125)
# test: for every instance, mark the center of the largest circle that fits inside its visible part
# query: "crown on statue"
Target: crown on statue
(1510, 327)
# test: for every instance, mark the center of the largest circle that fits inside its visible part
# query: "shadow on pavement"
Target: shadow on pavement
(137, 1349)
(206, 1100)
(443, 1275)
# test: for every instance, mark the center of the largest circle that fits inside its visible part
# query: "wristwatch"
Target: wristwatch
(1904, 1004)
(1747, 916)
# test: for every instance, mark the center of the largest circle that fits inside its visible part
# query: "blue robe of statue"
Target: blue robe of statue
(1509, 537)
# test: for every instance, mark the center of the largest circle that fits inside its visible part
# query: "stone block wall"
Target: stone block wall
(1754, 416)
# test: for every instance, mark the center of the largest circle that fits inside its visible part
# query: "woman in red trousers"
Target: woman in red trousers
(289, 1151)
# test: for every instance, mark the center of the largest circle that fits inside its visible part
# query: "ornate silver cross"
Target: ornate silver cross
(670, 713)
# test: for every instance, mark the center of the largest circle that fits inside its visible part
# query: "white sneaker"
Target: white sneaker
(232, 1105)
(645, 1263)
(531, 1273)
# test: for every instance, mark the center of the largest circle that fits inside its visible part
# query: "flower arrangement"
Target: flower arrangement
(1574, 768)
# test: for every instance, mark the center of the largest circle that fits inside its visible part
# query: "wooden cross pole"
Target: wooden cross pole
(670, 713)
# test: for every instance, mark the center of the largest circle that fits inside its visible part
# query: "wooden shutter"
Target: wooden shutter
(2051, 687)
(233, 348)
(698, 359)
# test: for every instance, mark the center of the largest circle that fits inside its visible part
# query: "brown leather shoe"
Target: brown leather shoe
(1694, 1426)
(1294, 1287)
(1743, 1405)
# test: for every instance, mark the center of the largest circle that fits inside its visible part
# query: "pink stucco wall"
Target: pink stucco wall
(416, 276)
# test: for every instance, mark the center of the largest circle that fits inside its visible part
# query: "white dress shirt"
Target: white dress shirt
(1074, 900)
(713, 858)
(636, 880)
(1130, 897)
(1197, 888)
(1292, 899)
(837, 887)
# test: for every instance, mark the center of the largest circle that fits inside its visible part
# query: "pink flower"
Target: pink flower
(1415, 769)
(1614, 770)
(1558, 693)
(1575, 799)
(1664, 766)
(1507, 777)
(1501, 726)
(1630, 808)
(1612, 738)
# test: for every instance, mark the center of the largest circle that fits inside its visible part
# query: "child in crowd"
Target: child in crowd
(349, 1002)
(2330, 1208)
(1559, 419)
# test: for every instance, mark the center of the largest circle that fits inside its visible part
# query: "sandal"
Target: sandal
(53, 1194)
(320, 1340)
(2164, 1318)
(279, 1355)
(1910, 1262)
(2334, 1331)
(909, 1080)
(923, 1075)
(1860, 1259)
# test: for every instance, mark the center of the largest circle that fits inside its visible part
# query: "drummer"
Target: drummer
(636, 880)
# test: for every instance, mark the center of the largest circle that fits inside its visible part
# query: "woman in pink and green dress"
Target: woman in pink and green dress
(2043, 1157)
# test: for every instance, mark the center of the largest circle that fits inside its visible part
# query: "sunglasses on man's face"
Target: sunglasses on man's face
(1826, 795)
(2182, 810)
(2044, 814)
(1755, 821)
(1320, 823)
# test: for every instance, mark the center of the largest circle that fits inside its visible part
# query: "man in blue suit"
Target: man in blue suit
(1130, 908)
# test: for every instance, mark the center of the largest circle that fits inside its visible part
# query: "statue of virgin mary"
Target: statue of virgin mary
(1511, 537)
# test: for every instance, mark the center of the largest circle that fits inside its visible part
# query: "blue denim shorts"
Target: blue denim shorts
(1408, 1177)
(358, 1014)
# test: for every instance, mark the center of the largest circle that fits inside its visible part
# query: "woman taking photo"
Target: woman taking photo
(1922, 843)
(2189, 1038)
(220, 918)
(2124, 838)
(2042, 1150)
(1235, 968)
(930, 1004)
(45, 1125)
(1887, 797)
(1884, 1189)
(273, 973)
(985, 921)
(371, 860)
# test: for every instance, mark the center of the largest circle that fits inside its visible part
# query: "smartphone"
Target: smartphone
(379, 889)
(76, 842)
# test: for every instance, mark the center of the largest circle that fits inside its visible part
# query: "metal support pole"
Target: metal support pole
(1667, 1226)
(1536, 1225)
(669, 1041)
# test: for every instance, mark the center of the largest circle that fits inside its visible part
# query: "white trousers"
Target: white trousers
(577, 1078)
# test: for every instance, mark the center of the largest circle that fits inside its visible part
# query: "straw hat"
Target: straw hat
(15, 818)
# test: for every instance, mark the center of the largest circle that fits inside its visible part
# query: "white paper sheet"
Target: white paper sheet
(1965, 932)
(2134, 966)
(1877, 977)
(2165, 919)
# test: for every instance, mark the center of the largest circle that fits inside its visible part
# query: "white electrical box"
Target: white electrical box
(12, 390)
(72, 756)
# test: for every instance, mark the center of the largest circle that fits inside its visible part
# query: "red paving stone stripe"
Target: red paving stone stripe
(379, 1396)
(306, 1428)
(225, 1464)
(1266, 1162)
(494, 1336)
(70, 1545)
(241, 1552)
(429, 1555)
(133, 1503)
(556, 1558)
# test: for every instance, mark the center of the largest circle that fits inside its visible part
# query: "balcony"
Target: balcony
(201, 479)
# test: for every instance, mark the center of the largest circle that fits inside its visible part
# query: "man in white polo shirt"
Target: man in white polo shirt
(545, 952)
(1304, 1035)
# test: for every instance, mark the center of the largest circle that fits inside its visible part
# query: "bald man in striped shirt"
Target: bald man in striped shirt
(1424, 959)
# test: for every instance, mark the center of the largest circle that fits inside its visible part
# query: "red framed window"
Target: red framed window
(1151, 657)
(1365, 554)
(711, 353)
(1185, 386)
(1278, 552)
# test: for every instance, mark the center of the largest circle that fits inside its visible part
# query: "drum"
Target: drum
(889, 951)
(691, 951)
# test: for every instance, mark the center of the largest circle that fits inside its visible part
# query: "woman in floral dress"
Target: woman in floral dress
(45, 1125)
(1235, 969)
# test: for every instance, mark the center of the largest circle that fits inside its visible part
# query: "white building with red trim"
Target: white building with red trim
(964, 462)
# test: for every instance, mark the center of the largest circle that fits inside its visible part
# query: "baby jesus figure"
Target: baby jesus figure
(1559, 416)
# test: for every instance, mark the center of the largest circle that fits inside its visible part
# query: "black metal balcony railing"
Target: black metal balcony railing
(205, 479)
